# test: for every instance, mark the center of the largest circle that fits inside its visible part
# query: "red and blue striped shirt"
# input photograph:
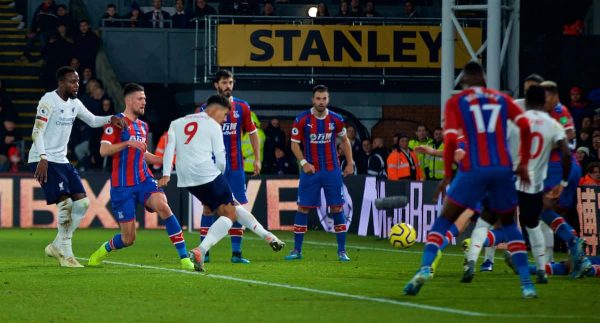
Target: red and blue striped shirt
(318, 137)
(128, 166)
(238, 119)
(561, 114)
(480, 114)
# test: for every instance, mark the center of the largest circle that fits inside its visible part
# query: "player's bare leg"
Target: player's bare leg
(121, 240)
(158, 203)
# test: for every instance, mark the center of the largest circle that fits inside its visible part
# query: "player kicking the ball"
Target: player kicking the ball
(60, 181)
(196, 138)
(132, 182)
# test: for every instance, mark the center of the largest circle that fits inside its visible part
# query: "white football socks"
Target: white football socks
(63, 238)
(477, 239)
(77, 212)
(549, 239)
(489, 253)
(248, 220)
(217, 231)
(538, 246)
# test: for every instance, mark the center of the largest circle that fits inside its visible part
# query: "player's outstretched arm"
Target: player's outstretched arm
(95, 121)
(169, 153)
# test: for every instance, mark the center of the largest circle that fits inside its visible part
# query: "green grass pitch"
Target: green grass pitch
(143, 283)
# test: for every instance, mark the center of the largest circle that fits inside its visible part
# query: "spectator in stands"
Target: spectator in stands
(361, 158)
(108, 18)
(283, 163)
(156, 17)
(344, 10)
(395, 139)
(578, 107)
(239, 7)
(135, 16)
(370, 9)
(434, 165)
(93, 102)
(356, 9)
(202, 9)
(181, 19)
(585, 138)
(64, 18)
(410, 11)
(421, 139)
(268, 9)
(86, 45)
(354, 142)
(57, 52)
(586, 122)
(9, 152)
(21, 7)
(96, 161)
(322, 12)
(593, 175)
(274, 137)
(86, 76)
(43, 26)
(596, 122)
(402, 163)
(376, 164)
(74, 63)
(594, 152)
(583, 157)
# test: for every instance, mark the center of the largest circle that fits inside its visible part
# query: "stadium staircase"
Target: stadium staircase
(20, 80)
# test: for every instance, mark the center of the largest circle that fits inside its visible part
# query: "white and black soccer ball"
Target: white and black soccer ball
(403, 235)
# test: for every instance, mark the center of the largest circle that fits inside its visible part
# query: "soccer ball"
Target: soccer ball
(403, 236)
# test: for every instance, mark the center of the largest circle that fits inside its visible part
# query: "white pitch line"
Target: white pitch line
(346, 295)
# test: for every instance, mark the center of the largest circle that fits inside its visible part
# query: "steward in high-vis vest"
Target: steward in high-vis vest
(247, 151)
(402, 163)
(434, 165)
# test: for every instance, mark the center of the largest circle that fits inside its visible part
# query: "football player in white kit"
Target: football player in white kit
(196, 138)
(60, 181)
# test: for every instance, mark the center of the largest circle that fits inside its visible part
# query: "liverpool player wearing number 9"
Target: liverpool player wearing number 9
(132, 182)
(317, 129)
(196, 138)
(481, 115)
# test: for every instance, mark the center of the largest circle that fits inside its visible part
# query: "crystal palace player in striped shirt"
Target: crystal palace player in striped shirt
(132, 182)
(481, 115)
(238, 120)
(317, 129)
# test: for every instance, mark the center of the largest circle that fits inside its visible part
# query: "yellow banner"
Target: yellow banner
(337, 46)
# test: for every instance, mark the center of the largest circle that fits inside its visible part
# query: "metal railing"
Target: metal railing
(206, 66)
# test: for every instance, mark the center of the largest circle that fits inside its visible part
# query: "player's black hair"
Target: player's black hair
(320, 88)
(473, 68)
(222, 74)
(219, 100)
(535, 78)
(535, 96)
(63, 71)
(131, 88)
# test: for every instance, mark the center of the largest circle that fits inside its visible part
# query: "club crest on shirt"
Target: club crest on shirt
(331, 126)
(236, 114)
